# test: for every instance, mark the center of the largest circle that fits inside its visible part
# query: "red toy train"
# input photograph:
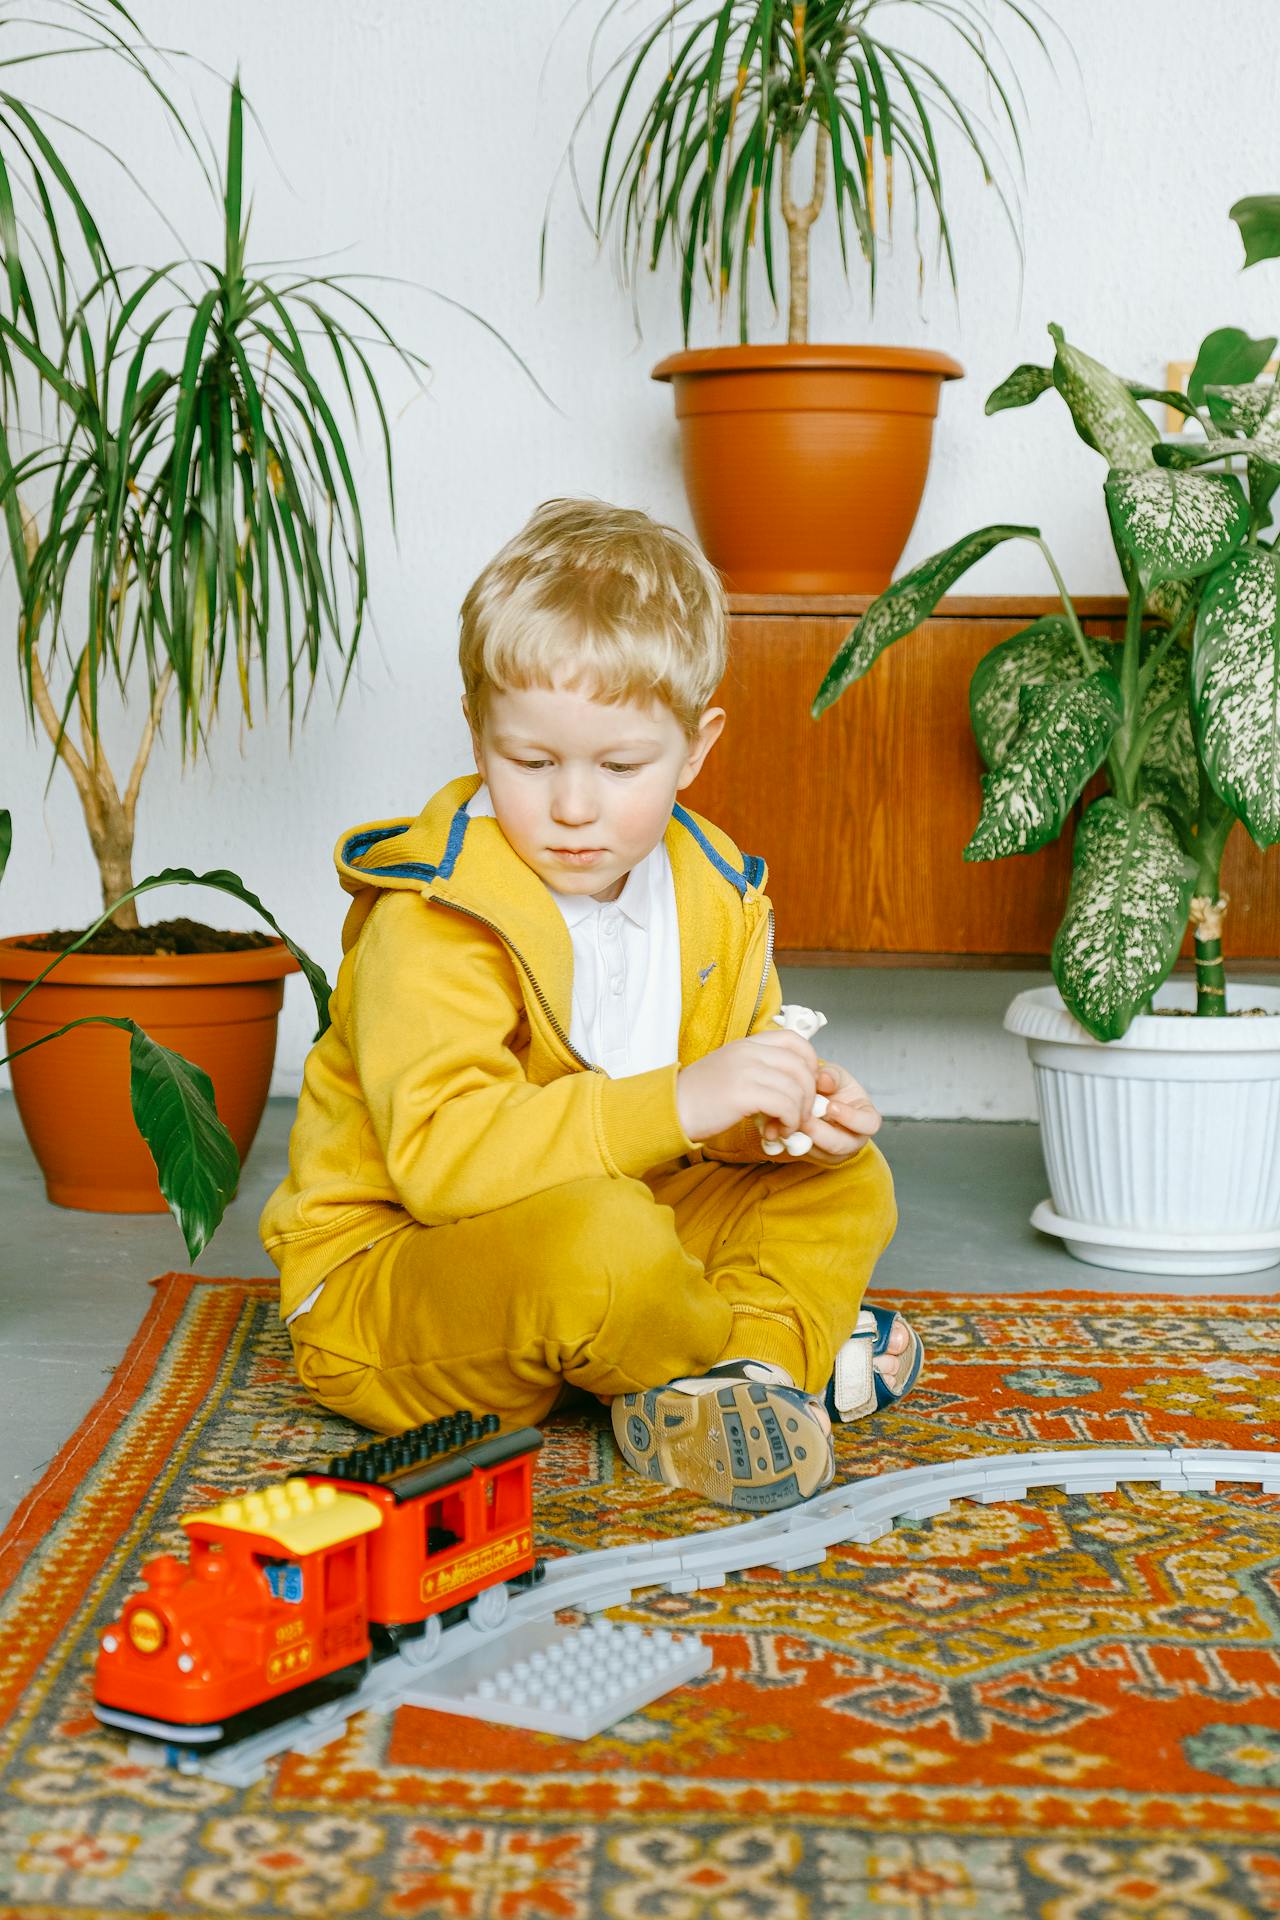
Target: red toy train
(290, 1594)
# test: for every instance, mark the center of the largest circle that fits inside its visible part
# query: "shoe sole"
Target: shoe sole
(745, 1445)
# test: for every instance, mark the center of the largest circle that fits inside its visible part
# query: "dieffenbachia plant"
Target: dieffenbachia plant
(172, 1099)
(1182, 716)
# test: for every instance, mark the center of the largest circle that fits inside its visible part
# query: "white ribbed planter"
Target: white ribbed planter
(1162, 1148)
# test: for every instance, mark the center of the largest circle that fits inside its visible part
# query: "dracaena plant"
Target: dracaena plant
(171, 1098)
(195, 516)
(1181, 718)
(711, 101)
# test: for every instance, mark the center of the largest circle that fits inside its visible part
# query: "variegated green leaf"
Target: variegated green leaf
(901, 608)
(1227, 355)
(6, 838)
(1235, 683)
(1042, 654)
(1065, 732)
(1131, 886)
(1025, 384)
(1176, 526)
(1248, 410)
(1258, 218)
(1170, 766)
(1182, 455)
(1107, 416)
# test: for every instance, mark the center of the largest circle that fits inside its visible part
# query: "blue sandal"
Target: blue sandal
(856, 1387)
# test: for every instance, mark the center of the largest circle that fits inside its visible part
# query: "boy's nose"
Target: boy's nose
(573, 803)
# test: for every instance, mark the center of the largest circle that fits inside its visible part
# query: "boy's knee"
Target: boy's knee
(868, 1197)
(607, 1237)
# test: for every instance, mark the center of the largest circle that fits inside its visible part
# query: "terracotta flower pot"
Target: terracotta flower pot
(805, 466)
(218, 1009)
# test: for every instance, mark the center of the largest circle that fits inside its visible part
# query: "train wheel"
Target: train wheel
(423, 1647)
(329, 1715)
(489, 1609)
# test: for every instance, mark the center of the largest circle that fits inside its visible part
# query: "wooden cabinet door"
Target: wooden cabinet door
(863, 815)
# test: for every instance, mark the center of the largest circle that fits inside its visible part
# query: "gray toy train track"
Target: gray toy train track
(861, 1511)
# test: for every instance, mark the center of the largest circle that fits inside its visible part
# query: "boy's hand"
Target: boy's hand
(774, 1073)
(851, 1119)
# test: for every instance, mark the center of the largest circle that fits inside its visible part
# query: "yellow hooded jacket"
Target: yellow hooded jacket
(445, 1085)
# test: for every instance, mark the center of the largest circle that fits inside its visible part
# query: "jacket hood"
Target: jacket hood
(469, 865)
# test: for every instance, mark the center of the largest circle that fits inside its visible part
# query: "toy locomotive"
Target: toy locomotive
(290, 1594)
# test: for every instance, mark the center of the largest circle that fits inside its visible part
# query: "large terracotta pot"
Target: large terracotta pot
(218, 1009)
(805, 466)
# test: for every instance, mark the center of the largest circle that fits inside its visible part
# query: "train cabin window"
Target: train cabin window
(341, 1577)
(445, 1523)
(284, 1577)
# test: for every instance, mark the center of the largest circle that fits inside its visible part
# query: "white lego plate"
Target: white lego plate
(574, 1681)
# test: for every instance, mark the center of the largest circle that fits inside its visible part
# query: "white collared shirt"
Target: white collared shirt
(626, 966)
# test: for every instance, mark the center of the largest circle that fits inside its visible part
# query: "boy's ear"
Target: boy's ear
(710, 727)
(475, 737)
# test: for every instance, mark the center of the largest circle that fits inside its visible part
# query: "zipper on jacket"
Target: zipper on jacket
(764, 977)
(543, 1002)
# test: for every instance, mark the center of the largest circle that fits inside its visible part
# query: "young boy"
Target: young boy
(529, 1149)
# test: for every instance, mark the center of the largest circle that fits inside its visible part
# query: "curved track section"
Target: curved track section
(861, 1511)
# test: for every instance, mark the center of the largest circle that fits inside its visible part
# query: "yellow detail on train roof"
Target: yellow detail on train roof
(294, 1516)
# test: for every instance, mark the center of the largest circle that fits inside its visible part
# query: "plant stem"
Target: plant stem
(1123, 761)
(1087, 656)
(1208, 904)
(799, 220)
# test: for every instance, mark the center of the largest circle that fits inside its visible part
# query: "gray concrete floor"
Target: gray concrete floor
(73, 1286)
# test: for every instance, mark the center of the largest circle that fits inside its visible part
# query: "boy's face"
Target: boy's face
(584, 790)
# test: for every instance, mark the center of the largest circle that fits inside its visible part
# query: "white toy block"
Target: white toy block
(573, 1681)
(806, 1022)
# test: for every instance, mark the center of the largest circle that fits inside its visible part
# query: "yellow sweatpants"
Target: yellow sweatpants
(610, 1285)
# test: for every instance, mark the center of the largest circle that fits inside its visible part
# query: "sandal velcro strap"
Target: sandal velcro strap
(857, 1387)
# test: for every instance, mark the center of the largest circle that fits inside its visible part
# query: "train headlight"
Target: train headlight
(146, 1630)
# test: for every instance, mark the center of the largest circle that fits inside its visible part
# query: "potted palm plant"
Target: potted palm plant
(1161, 1134)
(193, 519)
(804, 464)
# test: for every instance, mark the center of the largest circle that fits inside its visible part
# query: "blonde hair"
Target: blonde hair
(600, 597)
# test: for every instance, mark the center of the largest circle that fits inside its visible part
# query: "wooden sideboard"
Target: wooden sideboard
(863, 815)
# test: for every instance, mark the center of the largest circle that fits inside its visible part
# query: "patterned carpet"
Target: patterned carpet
(1058, 1708)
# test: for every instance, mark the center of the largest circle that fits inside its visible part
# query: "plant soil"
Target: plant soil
(165, 936)
(1232, 1013)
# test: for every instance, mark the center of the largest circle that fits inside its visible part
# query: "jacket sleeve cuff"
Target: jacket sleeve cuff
(640, 1121)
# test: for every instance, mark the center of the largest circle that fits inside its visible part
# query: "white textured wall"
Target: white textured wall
(419, 139)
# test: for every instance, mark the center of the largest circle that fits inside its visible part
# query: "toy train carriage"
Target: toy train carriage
(457, 1527)
(291, 1592)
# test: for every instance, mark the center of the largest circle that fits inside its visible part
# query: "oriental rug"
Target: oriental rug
(1058, 1708)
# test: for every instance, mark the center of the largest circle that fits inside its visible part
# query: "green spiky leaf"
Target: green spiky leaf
(1176, 526)
(1235, 683)
(1042, 654)
(1131, 887)
(1024, 385)
(1107, 416)
(901, 608)
(6, 838)
(1063, 737)
(1258, 218)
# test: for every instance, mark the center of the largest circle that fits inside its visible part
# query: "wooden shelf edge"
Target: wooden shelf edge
(1011, 606)
(984, 962)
